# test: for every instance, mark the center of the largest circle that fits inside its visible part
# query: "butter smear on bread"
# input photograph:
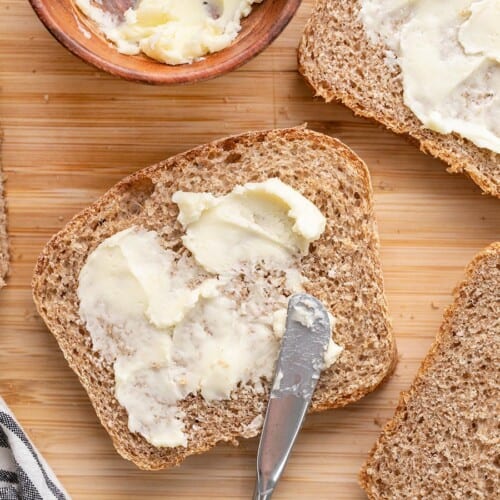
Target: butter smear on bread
(207, 318)
(448, 52)
(172, 31)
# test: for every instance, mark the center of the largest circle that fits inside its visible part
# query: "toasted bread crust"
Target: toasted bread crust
(4, 247)
(327, 172)
(340, 64)
(370, 476)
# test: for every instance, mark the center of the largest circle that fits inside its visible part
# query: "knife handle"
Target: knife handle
(284, 418)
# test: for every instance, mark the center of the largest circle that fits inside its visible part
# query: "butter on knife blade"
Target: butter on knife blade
(299, 365)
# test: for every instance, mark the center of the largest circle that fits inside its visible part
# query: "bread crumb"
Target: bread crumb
(30, 315)
(383, 186)
(46, 97)
(434, 305)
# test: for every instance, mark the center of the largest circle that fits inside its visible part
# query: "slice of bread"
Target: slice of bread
(339, 62)
(443, 440)
(4, 248)
(342, 266)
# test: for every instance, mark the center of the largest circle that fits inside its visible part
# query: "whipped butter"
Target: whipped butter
(448, 53)
(480, 34)
(204, 322)
(172, 31)
(258, 221)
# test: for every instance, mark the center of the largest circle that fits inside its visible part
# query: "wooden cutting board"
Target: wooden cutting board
(70, 132)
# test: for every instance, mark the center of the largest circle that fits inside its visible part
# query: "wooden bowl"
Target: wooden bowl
(80, 36)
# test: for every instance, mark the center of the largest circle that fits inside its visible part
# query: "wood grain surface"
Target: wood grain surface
(70, 132)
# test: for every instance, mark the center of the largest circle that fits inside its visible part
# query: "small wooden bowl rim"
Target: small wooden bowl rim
(191, 74)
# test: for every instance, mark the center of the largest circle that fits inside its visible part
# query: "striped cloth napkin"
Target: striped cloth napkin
(24, 474)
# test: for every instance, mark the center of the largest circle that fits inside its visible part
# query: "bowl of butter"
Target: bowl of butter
(165, 41)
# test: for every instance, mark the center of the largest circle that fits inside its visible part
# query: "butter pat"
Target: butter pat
(448, 54)
(131, 283)
(258, 221)
(172, 31)
(480, 34)
(174, 324)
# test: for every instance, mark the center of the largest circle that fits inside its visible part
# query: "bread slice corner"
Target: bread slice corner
(443, 439)
(343, 269)
(339, 62)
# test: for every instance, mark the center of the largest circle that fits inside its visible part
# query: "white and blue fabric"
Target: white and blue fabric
(24, 474)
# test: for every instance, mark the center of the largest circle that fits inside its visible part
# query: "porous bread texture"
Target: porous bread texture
(4, 247)
(443, 440)
(342, 266)
(341, 64)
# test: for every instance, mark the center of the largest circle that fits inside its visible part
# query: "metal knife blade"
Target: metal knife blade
(299, 364)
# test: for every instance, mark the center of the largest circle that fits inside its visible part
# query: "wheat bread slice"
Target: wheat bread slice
(4, 248)
(443, 441)
(342, 266)
(341, 64)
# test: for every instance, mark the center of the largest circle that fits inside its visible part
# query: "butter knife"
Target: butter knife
(299, 364)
